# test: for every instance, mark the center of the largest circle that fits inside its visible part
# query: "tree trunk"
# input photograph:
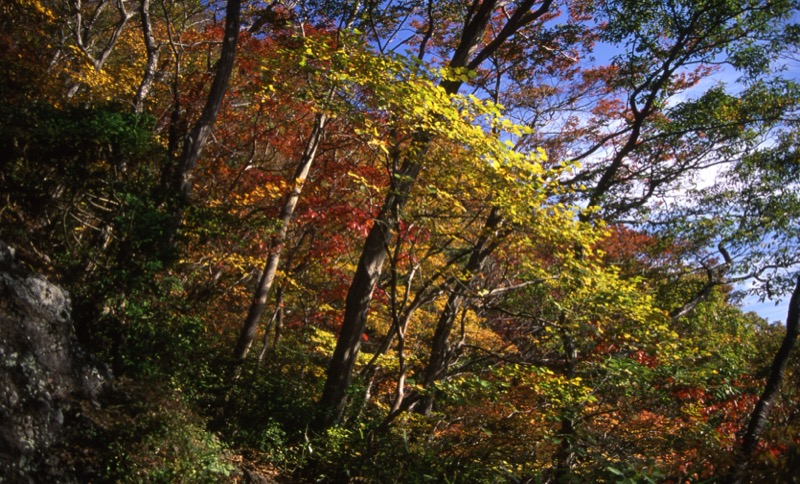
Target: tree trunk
(374, 253)
(761, 411)
(566, 456)
(152, 57)
(359, 295)
(441, 351)
(198, 135)
(277, 323)
(250, 325)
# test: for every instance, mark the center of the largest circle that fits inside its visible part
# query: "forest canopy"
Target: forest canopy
(461, 241)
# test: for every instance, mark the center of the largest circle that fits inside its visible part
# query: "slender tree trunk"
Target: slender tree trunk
(441, 350)
(761, 411)
(176, 178)
(198, 135)
(402, 326)
(177, 124)
(359, 295)
(275, 323)
(565, 456)
(250, 325)
(152, 57)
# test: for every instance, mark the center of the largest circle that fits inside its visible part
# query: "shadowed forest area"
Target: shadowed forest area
(414, 240)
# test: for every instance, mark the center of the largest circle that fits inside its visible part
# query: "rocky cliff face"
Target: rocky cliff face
(43, 373)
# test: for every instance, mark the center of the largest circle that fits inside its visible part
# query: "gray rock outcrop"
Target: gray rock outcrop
(42, 370)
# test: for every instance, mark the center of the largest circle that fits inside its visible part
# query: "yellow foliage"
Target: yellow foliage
(36, 6)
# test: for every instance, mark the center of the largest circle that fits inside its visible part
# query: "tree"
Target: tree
(468, 54)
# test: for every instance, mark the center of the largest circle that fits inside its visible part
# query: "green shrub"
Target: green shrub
(152, 436)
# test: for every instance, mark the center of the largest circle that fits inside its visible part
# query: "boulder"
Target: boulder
(43, 372)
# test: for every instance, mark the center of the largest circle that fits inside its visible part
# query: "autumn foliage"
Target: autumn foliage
(509, 240)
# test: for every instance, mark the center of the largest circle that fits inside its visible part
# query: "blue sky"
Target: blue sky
(767, 310)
